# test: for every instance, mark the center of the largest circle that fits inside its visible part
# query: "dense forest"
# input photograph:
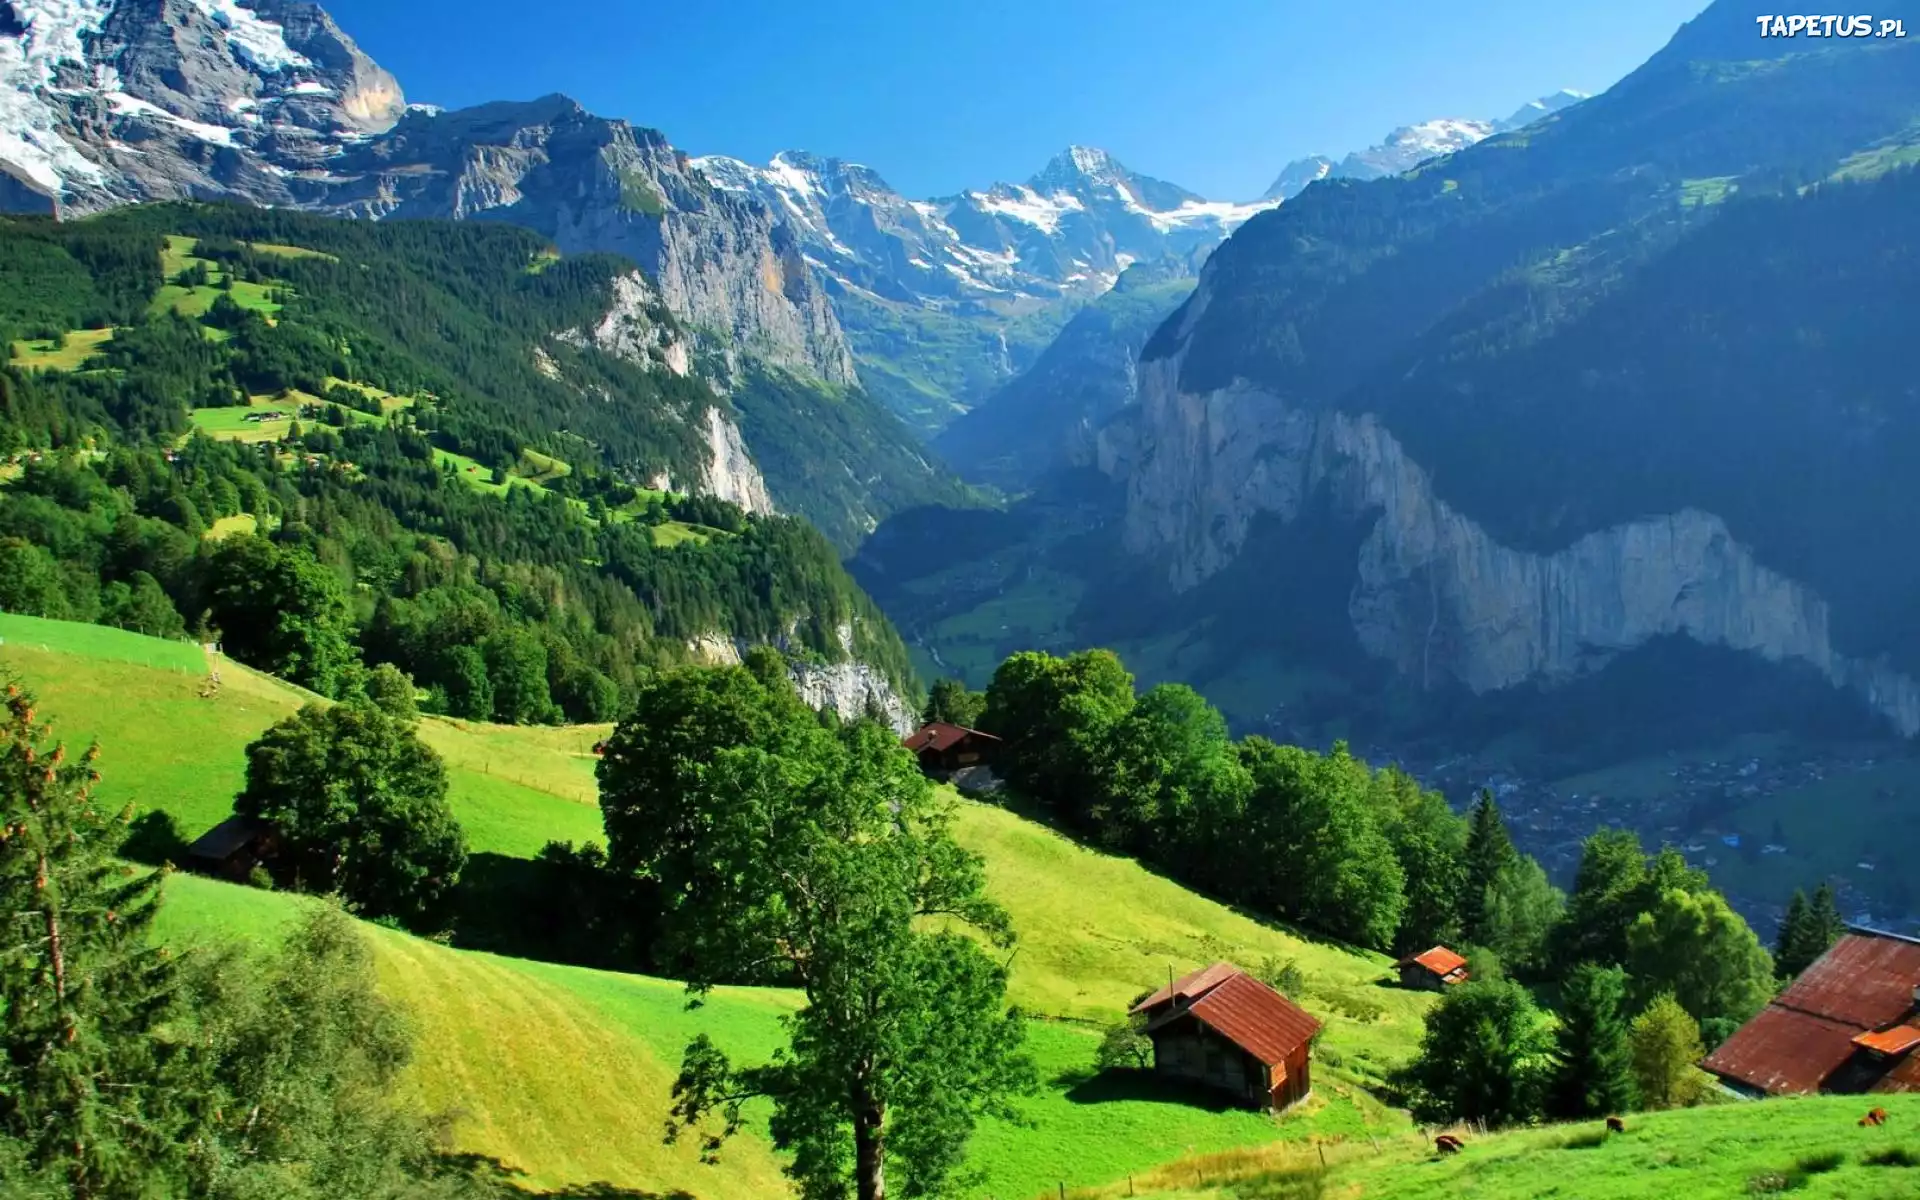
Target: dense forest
(533, 583)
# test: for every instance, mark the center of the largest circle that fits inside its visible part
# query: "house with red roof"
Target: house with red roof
(943, 748)
(1221, 1027)
(1434, 970)
(1850, 1023)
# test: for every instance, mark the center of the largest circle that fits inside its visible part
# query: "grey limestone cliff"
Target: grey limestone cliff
(634, 329)
(1433, 593)
(850, 688)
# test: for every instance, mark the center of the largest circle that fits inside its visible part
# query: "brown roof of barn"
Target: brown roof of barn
(938, 735)
(229, 836)
(1864, 984)
(1252, 1016)
(1783, 1051)
(1866, 979)
(1192, 984)
(1440, 960)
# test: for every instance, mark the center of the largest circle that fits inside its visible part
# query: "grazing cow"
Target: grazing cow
(1616, 1125)
(1446, 1143)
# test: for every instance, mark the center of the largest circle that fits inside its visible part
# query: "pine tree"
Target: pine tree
(1594, 1074)
(93, 1099)
(1810, 928)
(1792, 936)
(1825, 925)
(1489, 852)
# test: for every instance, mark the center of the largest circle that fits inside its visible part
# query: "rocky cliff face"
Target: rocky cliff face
(636, 328)
(106, 102)
(851, 689)
(1434, 594)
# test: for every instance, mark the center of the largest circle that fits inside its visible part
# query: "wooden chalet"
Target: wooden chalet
(1225, 1029)
(1849, 1024)
(1433, 970)
(234, 847)
(943, 749)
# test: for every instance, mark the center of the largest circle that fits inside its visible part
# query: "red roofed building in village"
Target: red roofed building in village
(1850, 1023)
(1222, 1027)
(943, 749)
(1436, 970)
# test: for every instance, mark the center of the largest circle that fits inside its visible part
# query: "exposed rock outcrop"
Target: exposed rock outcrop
(1434, 594)
(850, 688)
(637, 329)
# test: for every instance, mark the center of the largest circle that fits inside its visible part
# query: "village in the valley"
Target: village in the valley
(1709, 808)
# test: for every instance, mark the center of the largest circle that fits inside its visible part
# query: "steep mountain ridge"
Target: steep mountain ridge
(268, 102)
(1262, 400)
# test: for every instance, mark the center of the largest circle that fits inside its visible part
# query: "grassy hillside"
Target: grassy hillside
(166, 747)
(564, 1073)
(1811, 1148)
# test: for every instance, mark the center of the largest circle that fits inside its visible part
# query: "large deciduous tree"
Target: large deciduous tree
(1485, 1056)
(950, 701)
(361, 803)
(1430, 843)
(1157, 759)
(278, 609)
(826, 855)
(1056, 716)
(1695, 947)
(1328, 864)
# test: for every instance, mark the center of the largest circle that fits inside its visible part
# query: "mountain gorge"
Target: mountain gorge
(945, 299)
(1530, 419)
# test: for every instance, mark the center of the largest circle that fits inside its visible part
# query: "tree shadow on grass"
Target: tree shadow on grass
(507, 1181)
(1118, 1084)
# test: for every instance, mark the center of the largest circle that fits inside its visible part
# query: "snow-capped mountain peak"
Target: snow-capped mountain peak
(1410, 145)
(1070, 229)
(91, 89)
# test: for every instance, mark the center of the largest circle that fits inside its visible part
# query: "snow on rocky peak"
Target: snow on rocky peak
(1410, 145)
(52, 33)
(171, 75)
(1533, 110)
(260, 43)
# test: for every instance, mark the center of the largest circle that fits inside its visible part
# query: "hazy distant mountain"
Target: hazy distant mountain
(1410, 145)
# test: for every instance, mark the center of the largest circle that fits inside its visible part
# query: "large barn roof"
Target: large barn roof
(938, 735)
(230, 835)
(1190, 985)
(1252, 1016)
(1846, 1000)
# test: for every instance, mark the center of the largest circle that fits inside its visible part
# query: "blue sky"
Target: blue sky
(1215, 95)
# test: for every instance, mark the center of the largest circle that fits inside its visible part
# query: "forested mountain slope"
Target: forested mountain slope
(460, 443)
(1557, 381)
(270, 103)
